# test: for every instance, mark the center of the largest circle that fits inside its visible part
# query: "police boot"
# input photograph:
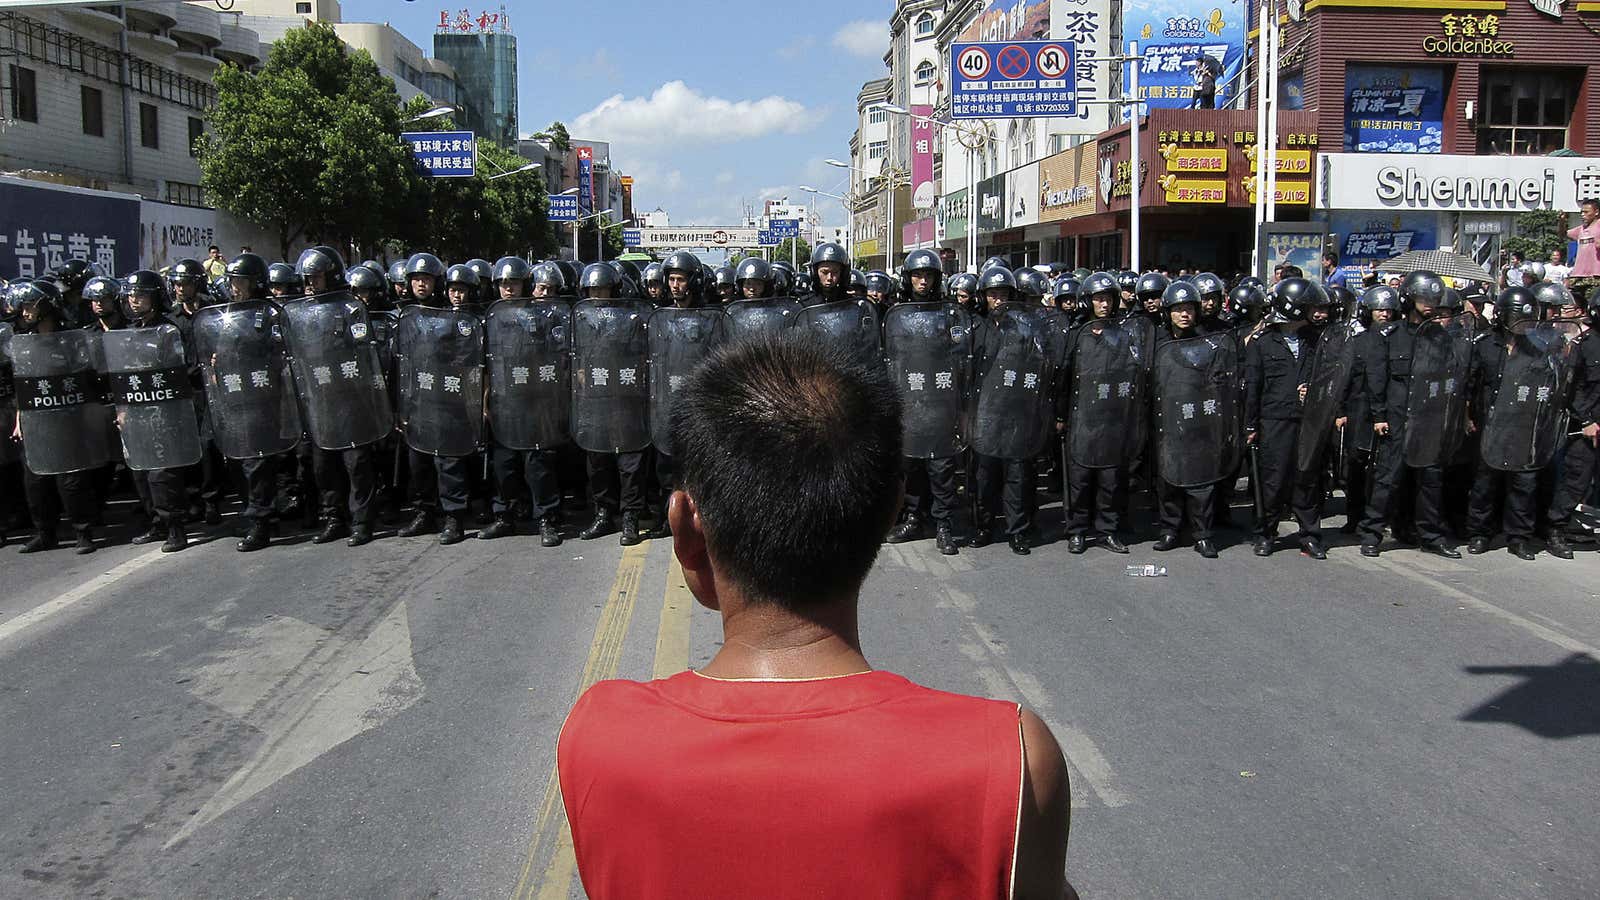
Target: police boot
(1263, 546)
(332, 530)
(360, 535)
(213, 512)
(259, 536)
(151, 534)
(1478, 545)
(451, 533)
(1206, 549)
(600, 526)
(945, 539)
(1555, 543)
(1312, 547)
(177, 537)
(1113, 543)
(1019, 544)
(43, 539)
(1167, 541)
(499, 528)
(1077, 543)
(909, 529)
(1521, 550)
(85, 542)
(549, 533)
(422, 524)
(982, 531)
(1440, 548)
(630, 529)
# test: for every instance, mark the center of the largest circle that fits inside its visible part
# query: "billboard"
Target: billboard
(1012, 80)
(1174, 36)
(443, 154)
(586, 178)
(1090, 26)
(1394, 109)
(922, 190)
(43, 226)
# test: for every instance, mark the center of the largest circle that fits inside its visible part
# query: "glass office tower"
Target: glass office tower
(486, 70)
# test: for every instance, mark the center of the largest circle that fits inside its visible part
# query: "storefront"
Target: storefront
(1378, 205)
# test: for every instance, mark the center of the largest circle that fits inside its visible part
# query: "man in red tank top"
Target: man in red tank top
(788, 767)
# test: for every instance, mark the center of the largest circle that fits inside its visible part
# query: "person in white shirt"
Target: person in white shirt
(1555, 271)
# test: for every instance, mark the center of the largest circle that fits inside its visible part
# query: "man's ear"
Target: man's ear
(689, 545)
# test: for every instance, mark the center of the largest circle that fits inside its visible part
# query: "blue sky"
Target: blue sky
(706, 104)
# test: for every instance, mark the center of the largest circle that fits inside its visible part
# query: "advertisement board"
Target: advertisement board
(586, 178)
(1291, 244)
(1089, 26)
(1176, 36)
(992, 213)
(43, 226)
(443, 154)
(1022, 196)
(1394, 109)
(1456, 183)
(1066, 183)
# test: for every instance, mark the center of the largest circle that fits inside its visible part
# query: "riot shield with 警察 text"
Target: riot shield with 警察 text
(1436, 399)
(59, 400)
(1106, 423)
(439, 375)
(1325, 394)
(851, 324)
(1013, 372)
(928, 347)
(1528, 418)
(344, 398)
(249, 389)
(610, 375)
(679, 339)
(147, 381)
(10, 450)
(1197, 404)
(766, 315)
(530, 373)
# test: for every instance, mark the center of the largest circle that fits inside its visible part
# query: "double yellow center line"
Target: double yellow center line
(605, 652)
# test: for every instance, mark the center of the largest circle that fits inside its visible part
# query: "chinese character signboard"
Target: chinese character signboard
(921, 156)
(563, 208)
(991, 211)
(1173, 45)
(1013, 79)
(443, 154)
(1085, 24)
(1291, 244)
(1394, 109)
(42, 227)
(463, 21)
(784, 228)
(1469, 35)
(586, 178)
(663, 238)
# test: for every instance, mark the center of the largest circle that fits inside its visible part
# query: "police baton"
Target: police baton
(1255, 478)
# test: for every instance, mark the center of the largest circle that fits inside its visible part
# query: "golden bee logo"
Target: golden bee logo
(1215, 24)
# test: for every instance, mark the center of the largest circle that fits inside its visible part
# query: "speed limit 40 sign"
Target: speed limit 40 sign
(1013, 79)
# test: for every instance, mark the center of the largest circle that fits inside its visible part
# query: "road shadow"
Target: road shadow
(1555, 701)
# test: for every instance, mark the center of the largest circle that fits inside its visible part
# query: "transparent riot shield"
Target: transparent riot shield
(1198, 398)
(610, 375)
(679, 340)
(148, 383)
(928, 347)
(767, 315)
(440, 380)
(344, 398)
(249, 388)
(1013, 372)
(59, 402)
(1106, 424)
(1528, 418)
(1436, 402)
(530, 373)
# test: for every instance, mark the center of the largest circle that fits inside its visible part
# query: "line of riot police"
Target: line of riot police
(474, 381)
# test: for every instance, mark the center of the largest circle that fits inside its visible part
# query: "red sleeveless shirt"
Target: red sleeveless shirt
(861, 786)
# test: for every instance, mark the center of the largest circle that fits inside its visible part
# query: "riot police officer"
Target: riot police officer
(830, 275)
(1278, 366)
(1198, 494)
(103, 296)
(425, 275)
(616, 479)
(160, 490)
(727, 288)
(753, 278)
(284, 283)
(1096, 494)
(1516, 304)
(1578, 467)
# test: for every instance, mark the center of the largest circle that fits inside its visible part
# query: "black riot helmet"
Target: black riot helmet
(1552, 295)
(482, 268)
(994, 261)
(630, 270)
(466, 276)
(1424, 287)
(1292, 300)
(1380, 297)
(283, 274)
(1032, 283)
(1248, 299)
(425, 264)
(1128, 281)
(723, 276)
(1451, 301)
(879, 283)
(569, 272)
(187, 271)
(397, 275)
(550, 275)
(1476, 293)
(1066, 289)
(858, 282)
(104, 291)
(829, 252)
(1517, 304)
(73, 274)
(688, 265)
(321, 260)
(363, 278)
(754, 268)
(1340, 297)
(927, 262)
(785, 282)
(1180, 292)
(652, 274)
(963, 282)
(1210, 286)
(511, 268)
(996, 277)
(31, 302)
(1101, 283)
(1252, 281)
(144, 281)
(251, 266)
(1151, 285)
(598, 275)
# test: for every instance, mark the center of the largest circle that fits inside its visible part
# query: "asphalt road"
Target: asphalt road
(325, 722)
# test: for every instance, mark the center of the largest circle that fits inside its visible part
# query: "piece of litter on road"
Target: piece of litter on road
(116, 744)
(576, 558)
(1146, 571)
(1247, 774)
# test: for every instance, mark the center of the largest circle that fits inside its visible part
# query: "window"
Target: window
(1526, 111)
(24, 94)
(877, 116)
(877, 150)
(197, 128)
(924, 72)
(302, 9)
(925, 24)
(184, 194)
(94, 119)
(149, 126)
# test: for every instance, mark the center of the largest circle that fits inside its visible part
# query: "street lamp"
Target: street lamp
(527, 168)
(600, 237)
(893, 180)
(577, 225)
(849, 216)
(434, 113)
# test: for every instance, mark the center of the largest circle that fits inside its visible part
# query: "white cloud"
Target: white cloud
(797, 48)
(724, 178)
(866, 37)
(676, 113)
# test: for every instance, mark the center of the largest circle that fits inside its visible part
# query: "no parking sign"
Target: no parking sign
(1013, 79)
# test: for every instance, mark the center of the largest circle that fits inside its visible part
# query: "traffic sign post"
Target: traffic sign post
(443, 154)
(563, 208)
(784, 228)
(1013, 80)
(631, 237)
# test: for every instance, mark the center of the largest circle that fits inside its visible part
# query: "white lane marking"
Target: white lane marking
(1550, 635)
(353, 689)
(62, 602)
(1086, 757)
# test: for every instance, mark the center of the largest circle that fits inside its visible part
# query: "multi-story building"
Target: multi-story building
(485, 63)
(869, 156)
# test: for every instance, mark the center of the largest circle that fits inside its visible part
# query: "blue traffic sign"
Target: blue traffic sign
(1013, 79)
(443, 154)
(784, 228)
(631, 237)
(564, 208)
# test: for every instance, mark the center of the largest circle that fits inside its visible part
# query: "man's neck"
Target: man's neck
(766, 641)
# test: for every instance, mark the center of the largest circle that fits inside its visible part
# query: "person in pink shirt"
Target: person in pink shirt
(1585, 274)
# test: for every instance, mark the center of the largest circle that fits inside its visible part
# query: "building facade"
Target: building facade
(485, 65)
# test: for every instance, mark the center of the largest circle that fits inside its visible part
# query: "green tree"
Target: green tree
(556, 136)
(299, 146)
(802, 252)
(1537, 233)
(586, 239)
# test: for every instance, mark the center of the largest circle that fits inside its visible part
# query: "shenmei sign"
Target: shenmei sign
(672, 238)
(1461, 183)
